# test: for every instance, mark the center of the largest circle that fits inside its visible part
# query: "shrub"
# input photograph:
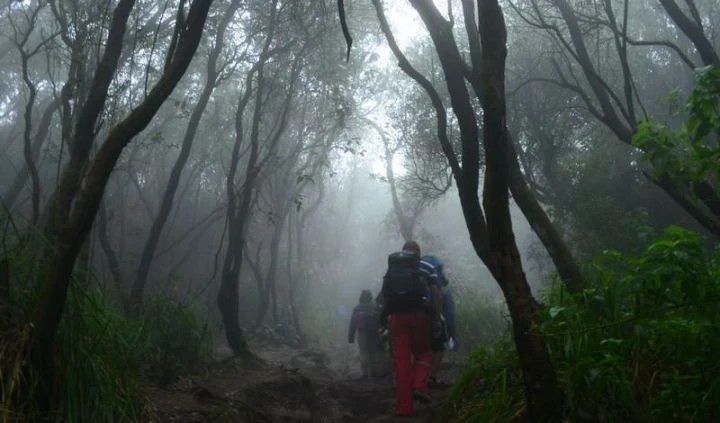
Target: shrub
(639, 344)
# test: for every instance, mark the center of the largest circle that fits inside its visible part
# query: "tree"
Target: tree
(239, 202)
(620, 106)
(75, 203)
(405, 214)
(489, 224)
(212, 78)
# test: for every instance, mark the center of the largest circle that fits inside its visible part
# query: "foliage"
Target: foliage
(691, 152)
(94, 343)
(169, 341)
(479, 319)
(639, 344)
(101, 354)
(489, 388)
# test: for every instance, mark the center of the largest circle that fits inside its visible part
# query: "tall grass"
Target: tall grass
(101, 356)
(641, 343)
(95, 346)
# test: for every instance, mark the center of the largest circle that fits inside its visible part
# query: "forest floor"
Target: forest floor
(284, 384)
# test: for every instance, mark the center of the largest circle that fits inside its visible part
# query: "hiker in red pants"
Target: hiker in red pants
(408, 310)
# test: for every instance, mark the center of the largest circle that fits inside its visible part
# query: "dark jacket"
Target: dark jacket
(365, 320)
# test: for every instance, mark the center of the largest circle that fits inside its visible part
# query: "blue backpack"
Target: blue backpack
(438, 265)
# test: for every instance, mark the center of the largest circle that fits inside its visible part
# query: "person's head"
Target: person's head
(365, 296)
(411, 246)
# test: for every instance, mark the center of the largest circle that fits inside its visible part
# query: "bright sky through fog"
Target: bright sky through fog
(404, 22)
(406, 27)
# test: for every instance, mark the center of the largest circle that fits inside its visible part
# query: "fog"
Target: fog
(285, 154)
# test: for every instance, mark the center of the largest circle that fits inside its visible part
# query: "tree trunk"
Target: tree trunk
(148, 253)
(28, 144)
(113, 262)
(43, 129)
(70, 225)
(694, 32)
(239, 205)
(406, 224)
(292, 303)
(559, 252)
(237, 214)
(544, 399)
(706, 210)
(493, 239)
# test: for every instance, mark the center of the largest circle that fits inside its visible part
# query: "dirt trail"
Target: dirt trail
(281, 385)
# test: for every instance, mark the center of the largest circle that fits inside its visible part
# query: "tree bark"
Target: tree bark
(544, 399)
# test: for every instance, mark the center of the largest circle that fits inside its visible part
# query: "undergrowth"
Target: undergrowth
(478, 319)
(640, 343)
(101, 356)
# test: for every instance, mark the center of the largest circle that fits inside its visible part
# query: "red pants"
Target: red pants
(410, 336)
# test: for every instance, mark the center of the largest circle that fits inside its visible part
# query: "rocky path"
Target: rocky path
(282, 385)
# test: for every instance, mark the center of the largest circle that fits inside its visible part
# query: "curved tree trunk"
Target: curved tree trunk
(28, 152)
(694, 31)
(559, 252)
(493, 239)
(239, 203)
(406, 223)
(11, 195)
(73, 209)
(544, 399)
(267, 297)
(148, 253)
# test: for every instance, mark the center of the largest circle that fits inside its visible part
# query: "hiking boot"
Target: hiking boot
(421, 396)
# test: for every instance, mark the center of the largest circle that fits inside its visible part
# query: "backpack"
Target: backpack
(404, 288)
(366, 319)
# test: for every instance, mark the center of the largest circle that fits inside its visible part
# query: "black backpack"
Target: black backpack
(404, 288)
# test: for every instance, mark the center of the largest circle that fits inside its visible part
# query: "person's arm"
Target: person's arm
(449, 312)
(381, 302)
(352, 328)
(436, 302)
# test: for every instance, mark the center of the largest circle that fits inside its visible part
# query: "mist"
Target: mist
(249, 164)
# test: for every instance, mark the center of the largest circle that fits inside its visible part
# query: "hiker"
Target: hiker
(446, 339)
(365, 320)
(411, 298)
